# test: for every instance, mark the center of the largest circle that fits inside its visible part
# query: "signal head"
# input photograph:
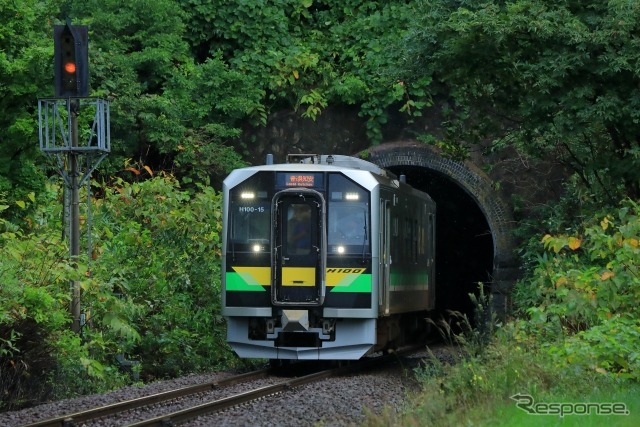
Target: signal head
(71, 60)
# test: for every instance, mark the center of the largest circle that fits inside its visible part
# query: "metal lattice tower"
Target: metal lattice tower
(69, 129)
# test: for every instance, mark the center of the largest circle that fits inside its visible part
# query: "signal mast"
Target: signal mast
(59, 136)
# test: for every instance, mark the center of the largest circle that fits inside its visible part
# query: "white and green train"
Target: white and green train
(325, 258)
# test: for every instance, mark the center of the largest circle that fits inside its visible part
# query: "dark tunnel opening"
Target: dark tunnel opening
(464, 245)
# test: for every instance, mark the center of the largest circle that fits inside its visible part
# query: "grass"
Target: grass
(507, 414)
(477, 390)
(512, 376)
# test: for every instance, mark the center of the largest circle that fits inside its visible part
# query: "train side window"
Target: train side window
(416, 236)
(421, 239)
(407, 239)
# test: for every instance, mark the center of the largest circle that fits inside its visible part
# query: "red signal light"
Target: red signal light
(70, 67)
(71, 57)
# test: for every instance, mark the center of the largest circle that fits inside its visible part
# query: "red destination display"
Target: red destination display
(300, 180)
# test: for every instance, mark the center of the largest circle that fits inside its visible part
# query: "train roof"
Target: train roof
(317, 162)
(328, 163)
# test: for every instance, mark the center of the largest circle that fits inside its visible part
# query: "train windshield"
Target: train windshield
(249, 229)
(348, 225)
(348, 229)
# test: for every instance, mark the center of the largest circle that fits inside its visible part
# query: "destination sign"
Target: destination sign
(299, 180)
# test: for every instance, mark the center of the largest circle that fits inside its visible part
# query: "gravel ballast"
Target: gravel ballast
(338, 401)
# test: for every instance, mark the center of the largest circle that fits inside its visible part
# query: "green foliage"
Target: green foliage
(150, 293)
(34, 311)
(82, 367)
(307, 55)
(361, 42)
(584, 287)
(462, 389)
(611, 346)
(167, 110)
(184, 78)
(555, 79)
(170, 242)
(452, 149)
(25, 51)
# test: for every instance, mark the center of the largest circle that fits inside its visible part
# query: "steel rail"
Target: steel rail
(213, 406)
(228, 402)
(114, 408)
(187, 414)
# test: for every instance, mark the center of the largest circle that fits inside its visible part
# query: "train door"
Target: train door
(385, 255)
(299, 254)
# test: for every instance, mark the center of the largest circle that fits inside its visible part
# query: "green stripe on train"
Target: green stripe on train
(361, 283)
(417, 278)
(242, 282)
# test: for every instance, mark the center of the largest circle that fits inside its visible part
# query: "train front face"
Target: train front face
(297, 278)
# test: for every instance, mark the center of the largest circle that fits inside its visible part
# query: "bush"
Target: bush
(159, 247)
(25, 352)
(467, 389)
(610, 347)
(584, 288)
(32, 308)
(150, 293)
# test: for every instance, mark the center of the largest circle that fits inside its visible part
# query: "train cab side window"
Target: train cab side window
(406, 241)
(249, 215)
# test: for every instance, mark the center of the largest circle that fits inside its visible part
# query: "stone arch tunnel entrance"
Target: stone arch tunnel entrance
(464, 245)
(473, 225)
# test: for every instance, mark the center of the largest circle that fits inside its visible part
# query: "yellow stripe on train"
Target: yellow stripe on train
(342, 276)
(298, 276)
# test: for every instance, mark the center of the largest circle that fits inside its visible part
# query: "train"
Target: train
(325, 257)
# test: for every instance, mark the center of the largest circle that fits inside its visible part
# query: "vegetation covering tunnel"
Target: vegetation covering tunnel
(464, 244)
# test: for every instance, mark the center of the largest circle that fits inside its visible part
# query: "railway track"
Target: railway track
(115, 408)
(222, 404)
(192, 411)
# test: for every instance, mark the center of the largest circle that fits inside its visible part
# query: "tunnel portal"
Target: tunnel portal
(464, 245)
(475, 245)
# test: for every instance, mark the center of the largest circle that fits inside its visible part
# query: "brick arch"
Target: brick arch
(479, 187)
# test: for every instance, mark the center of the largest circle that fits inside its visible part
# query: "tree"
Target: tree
(184, 78)
(309, 54)
(167, 111)
(26, 49)
(553, 78)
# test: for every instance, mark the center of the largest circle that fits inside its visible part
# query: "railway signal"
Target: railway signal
(59, 134)
(71, 51)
